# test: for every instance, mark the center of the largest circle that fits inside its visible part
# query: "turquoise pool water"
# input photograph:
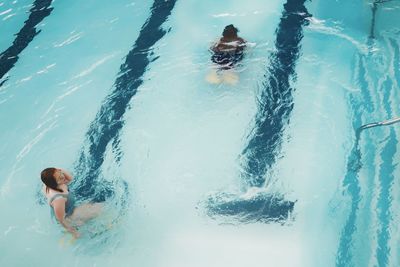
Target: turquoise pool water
(272, 171)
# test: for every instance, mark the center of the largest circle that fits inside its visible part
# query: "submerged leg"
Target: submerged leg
(230, 77)
(85, 212)
(213, 77)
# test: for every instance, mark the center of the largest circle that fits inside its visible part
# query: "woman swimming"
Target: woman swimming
(62, 202)
(229, 48)
(226, 53)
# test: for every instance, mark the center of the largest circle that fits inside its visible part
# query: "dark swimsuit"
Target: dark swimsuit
(69, 205)
(227, 59)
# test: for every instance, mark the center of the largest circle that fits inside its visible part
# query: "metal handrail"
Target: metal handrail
(376, 124)
(374, 8)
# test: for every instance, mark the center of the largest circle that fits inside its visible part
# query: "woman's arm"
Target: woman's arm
(59, 210)
(215, 46)
(67, 175)
(242, 43)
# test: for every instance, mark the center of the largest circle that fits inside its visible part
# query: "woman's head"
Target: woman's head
(52, 178)
(230, 31)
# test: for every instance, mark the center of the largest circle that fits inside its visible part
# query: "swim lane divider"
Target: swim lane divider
(40, 9)
(109, 121)
(346, 252)
(274, 110)
(276, 99)
(345, 255)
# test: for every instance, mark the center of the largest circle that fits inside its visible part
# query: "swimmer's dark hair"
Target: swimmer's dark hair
(47, 176)
(230, 31)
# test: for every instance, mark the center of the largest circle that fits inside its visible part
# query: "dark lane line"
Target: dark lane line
(105, 128)
(363, 106)
(345, 253)
(274, 110)
(360, 104)
(386, 179)
(259, 208)
(276, 100)
(396, 59)
(40, 9)
(386, 173)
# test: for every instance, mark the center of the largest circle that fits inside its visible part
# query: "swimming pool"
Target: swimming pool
(116, 93)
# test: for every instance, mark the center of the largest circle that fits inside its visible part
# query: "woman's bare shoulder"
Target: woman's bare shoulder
(49, 193)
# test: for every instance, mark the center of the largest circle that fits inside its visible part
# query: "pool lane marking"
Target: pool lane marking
(109, 121)
(386, 181)
(274, 110)
(276, 99)
(345, 254)
(40, 10)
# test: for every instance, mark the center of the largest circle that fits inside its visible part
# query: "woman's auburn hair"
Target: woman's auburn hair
(47, 176)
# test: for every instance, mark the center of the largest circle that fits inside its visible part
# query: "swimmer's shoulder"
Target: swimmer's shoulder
(241, 40)
(50, 192)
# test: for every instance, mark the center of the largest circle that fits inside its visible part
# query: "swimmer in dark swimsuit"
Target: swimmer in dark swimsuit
(227, 52)
(62, 202)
